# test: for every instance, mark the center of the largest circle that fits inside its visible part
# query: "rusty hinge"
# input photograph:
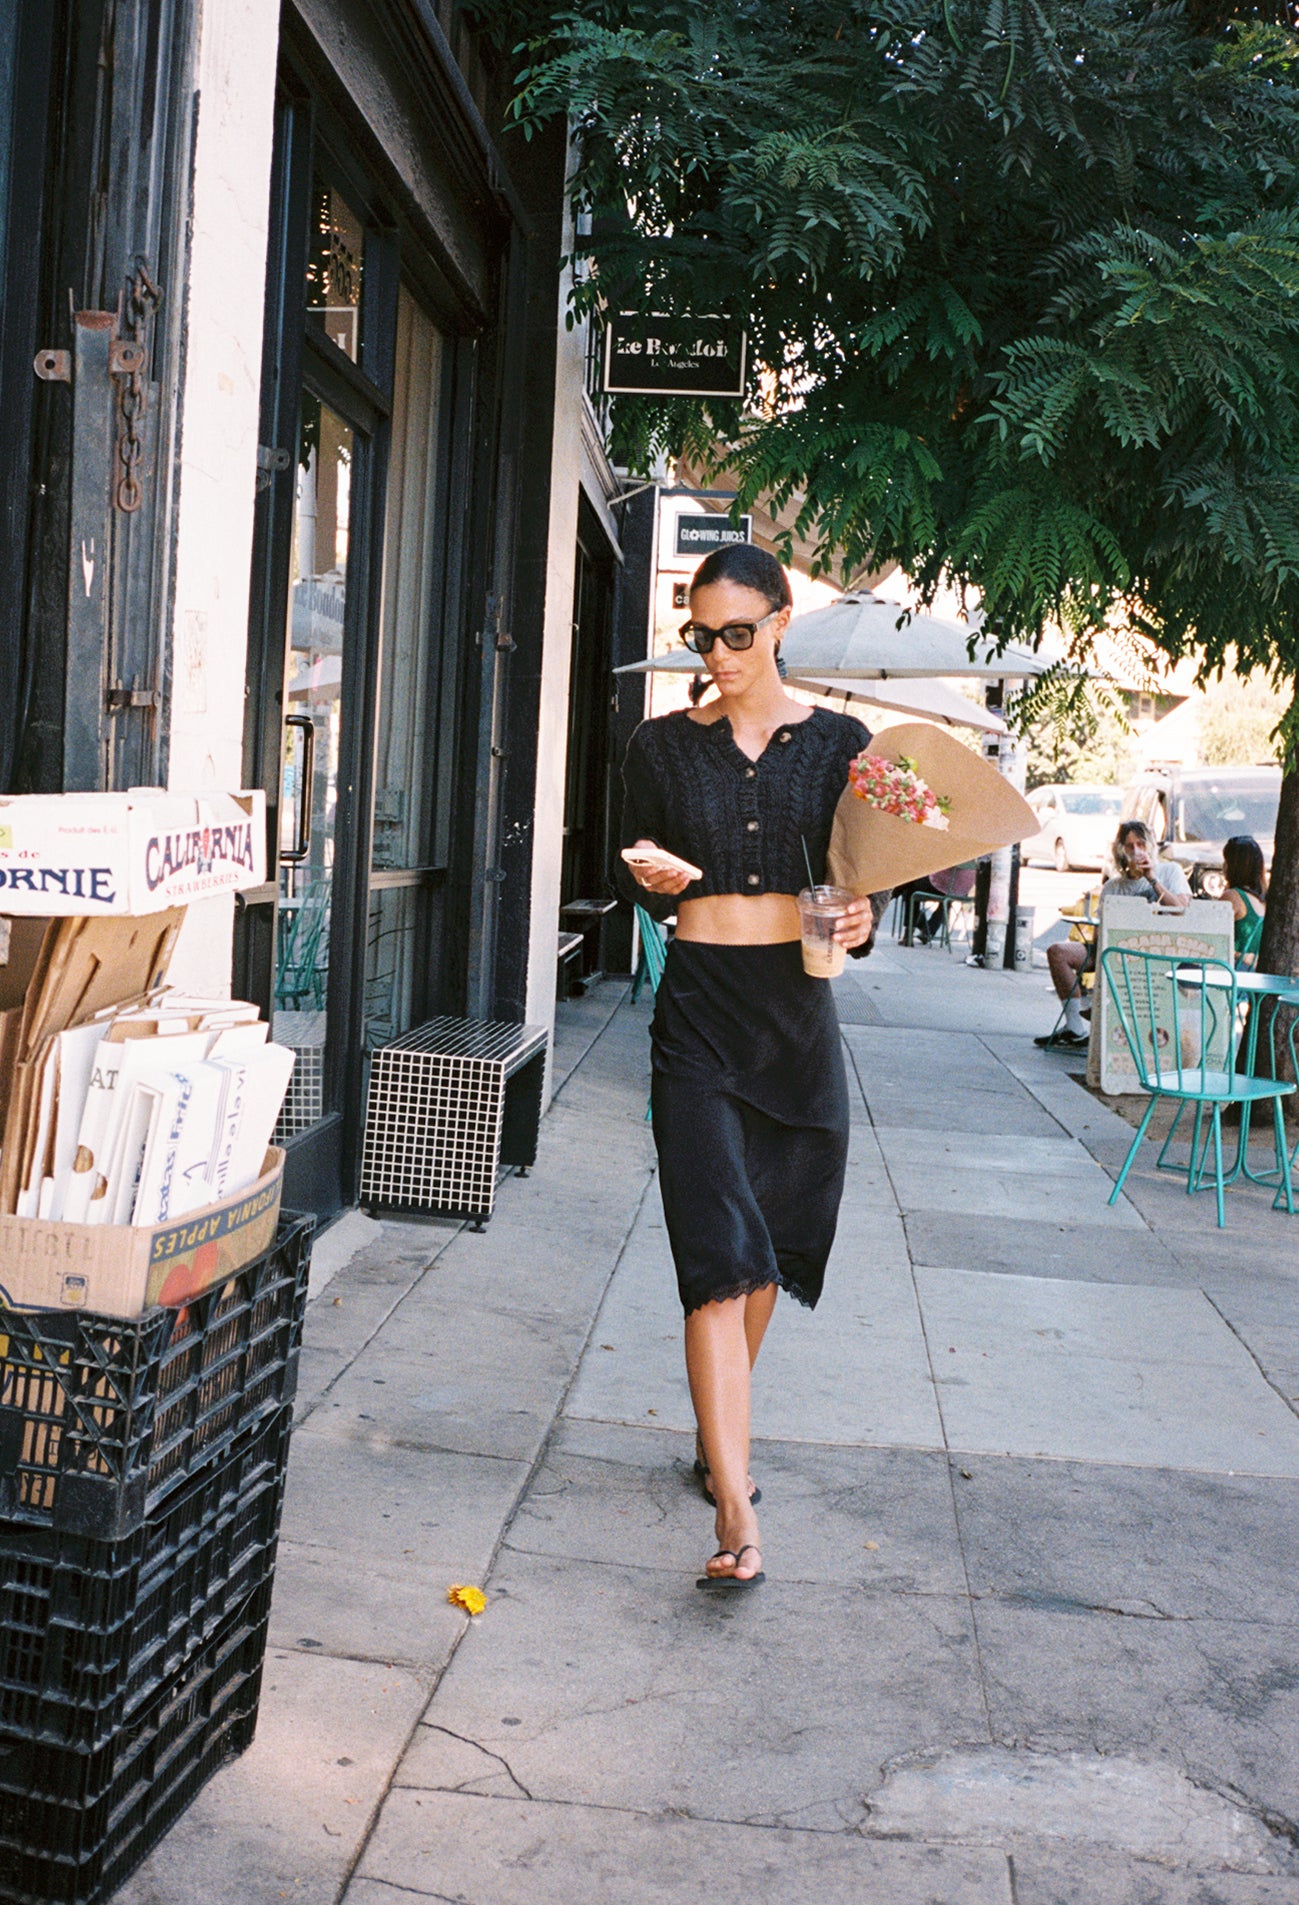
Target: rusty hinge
(118, 697)
(126, 360)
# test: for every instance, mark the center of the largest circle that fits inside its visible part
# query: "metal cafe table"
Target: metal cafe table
(1257, 986)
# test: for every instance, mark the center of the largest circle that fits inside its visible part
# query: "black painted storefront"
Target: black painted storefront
(399, 237)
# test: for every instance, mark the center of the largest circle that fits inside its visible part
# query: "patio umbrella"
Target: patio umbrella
(933, 700)
(858, 638)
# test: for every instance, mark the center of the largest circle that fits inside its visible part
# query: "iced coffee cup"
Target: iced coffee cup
(820, 908)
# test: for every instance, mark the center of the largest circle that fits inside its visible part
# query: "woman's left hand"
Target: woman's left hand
(855, 925)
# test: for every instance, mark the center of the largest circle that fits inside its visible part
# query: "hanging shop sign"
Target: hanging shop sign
(700, 535)
(673, 356)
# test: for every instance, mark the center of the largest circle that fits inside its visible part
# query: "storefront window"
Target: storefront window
(314, 727)
(407, 759)
(411, 741)
(336, 268)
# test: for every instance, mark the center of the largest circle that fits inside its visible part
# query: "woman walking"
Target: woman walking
(749, 1095)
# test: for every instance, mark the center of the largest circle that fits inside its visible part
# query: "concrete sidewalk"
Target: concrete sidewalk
(1029, 1634)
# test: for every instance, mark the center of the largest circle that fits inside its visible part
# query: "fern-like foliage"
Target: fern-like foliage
(1021, 280)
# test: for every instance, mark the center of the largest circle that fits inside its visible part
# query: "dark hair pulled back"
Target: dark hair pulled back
(749, 568)
(1242, 863)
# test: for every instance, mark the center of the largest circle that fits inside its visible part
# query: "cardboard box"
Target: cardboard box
(122, 1270)
(134, 853)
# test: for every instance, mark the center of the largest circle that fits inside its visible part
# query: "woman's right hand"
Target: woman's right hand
(658, 879)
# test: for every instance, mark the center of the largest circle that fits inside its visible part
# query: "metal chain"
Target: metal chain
(140, 300)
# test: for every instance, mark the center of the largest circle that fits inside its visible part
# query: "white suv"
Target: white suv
(1077, 825)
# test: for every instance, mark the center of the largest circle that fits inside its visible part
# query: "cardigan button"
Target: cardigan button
(753, 879)
(750, 773)
(786, 735)
(752, 826)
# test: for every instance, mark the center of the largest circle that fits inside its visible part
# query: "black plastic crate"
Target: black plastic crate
(76, 1846)
(100, 1417)
(89, 1630)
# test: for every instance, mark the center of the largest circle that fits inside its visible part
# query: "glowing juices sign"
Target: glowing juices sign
(64, 854)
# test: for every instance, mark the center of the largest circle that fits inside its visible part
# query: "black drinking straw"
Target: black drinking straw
(807, 861)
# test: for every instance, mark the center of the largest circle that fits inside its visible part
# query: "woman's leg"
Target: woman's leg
(718, 1359)
(758, 1308)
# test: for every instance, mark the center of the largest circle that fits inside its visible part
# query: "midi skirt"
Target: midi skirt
(750, 1110)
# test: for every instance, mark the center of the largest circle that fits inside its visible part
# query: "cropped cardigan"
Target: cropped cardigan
(690, 789)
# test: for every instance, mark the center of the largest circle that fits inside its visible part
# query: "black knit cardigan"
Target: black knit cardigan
(690, 789)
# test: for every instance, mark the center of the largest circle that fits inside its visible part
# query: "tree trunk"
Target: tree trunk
(1279, 951)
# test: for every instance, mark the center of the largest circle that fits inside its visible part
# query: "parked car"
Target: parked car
(1078, 824)
(1193, 810)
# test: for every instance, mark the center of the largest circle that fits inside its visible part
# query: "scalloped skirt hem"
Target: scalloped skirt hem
(748, 1286)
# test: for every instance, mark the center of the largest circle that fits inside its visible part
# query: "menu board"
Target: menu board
(1204, 931)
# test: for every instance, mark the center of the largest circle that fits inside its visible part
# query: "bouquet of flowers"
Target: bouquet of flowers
(896, 787)
(917, 800)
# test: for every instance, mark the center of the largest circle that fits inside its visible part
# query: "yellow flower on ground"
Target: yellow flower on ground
(472, 1599)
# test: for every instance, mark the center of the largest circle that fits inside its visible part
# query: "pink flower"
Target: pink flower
(894, 787)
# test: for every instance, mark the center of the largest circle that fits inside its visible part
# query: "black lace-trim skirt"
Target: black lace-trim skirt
(750, 1106)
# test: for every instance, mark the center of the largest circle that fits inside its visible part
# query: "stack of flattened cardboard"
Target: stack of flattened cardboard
(135, 1121)
(60, 974)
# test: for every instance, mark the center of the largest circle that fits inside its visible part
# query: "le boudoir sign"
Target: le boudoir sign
(673, 357)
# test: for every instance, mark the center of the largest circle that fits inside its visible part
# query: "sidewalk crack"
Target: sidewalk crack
(415, 1891)
(487, 1753)
(1218, 1310)
(1044, 1601)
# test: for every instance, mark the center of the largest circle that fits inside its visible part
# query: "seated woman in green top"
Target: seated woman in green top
(1242, 862)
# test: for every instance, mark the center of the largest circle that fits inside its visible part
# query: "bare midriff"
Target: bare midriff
(739, 919)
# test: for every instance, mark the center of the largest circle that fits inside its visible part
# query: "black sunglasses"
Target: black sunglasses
(735, 635)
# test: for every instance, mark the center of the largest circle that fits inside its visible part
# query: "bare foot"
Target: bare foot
(738, 1554)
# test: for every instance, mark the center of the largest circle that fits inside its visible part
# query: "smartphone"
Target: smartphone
(661, 860)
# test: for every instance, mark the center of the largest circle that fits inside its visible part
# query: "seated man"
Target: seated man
(1139, 875)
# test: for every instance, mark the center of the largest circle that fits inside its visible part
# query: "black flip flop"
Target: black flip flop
(727, 1583)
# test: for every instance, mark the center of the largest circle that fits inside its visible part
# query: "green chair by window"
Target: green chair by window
(653, 957)
(1182, 1037)
(302, 968)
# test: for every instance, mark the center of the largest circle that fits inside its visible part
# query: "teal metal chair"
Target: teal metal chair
(653, 953)
(302, 964)
(1179, 1019)
(649, 967)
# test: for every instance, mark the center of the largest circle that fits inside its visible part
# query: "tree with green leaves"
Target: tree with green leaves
(1021, 281)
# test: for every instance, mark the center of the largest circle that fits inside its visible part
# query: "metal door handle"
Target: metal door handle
(302, 827)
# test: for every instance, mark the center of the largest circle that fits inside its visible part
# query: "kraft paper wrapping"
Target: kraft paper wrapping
(871, 852)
